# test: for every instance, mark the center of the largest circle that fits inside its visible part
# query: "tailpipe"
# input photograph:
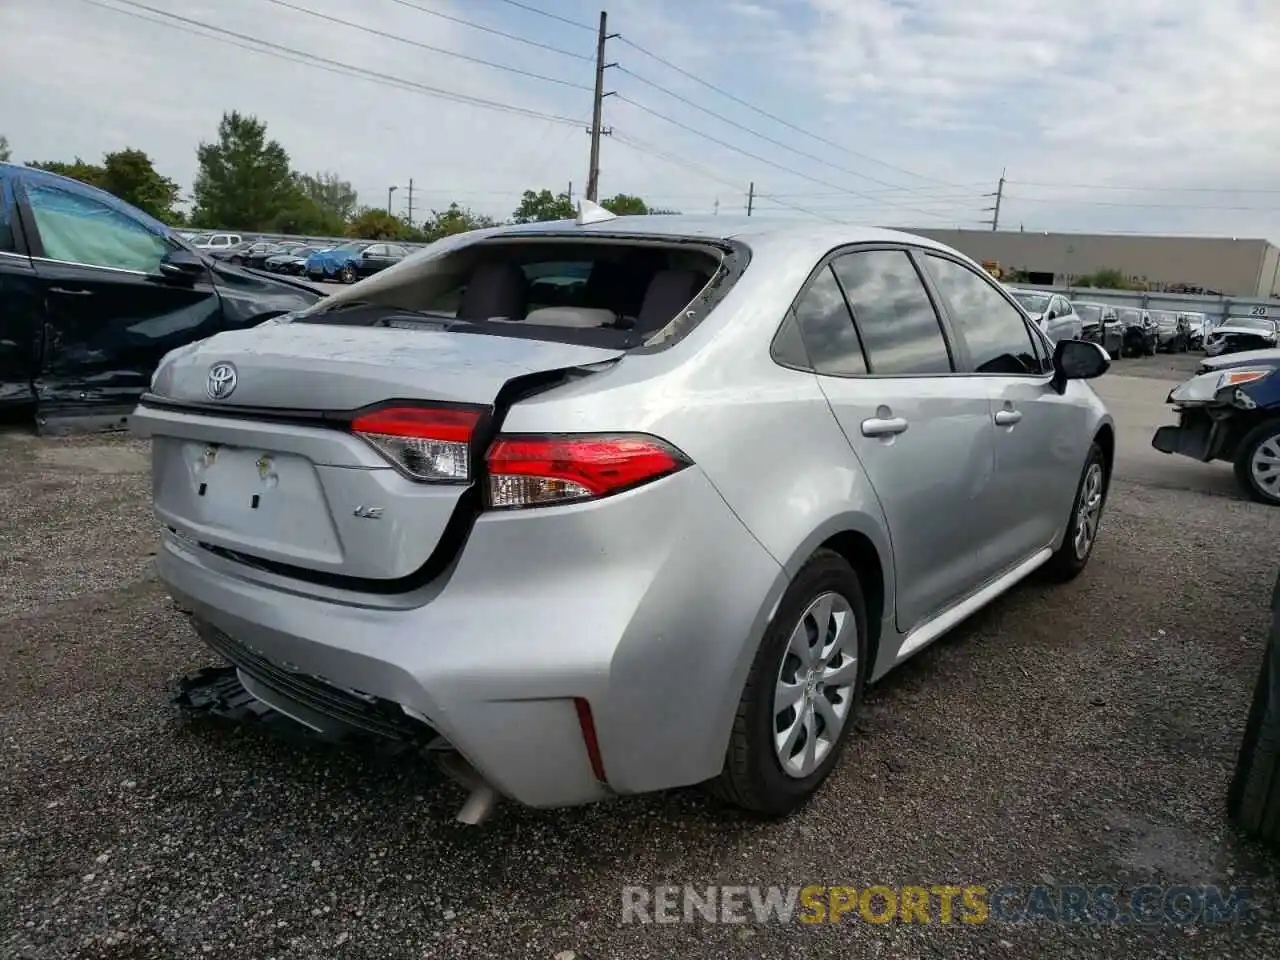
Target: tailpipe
(482, 797)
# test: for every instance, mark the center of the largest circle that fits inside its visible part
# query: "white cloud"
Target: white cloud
(1158, 93)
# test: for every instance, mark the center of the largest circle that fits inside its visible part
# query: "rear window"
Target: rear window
(608, 291)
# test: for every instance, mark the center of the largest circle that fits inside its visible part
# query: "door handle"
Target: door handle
(883, 426)
(1007, 418)
(66, 292)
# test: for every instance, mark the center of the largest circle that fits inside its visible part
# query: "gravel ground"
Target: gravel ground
(1075, 735)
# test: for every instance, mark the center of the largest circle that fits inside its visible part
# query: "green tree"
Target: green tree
(543, 205)
(4, 149)
(1106, 279)
(243, 180)
(131, 176)
(455, 219)
(90, 173)
(373, 223)
(624, 205)
(330, 193)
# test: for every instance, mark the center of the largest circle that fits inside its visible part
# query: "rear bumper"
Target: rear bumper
(648, 605)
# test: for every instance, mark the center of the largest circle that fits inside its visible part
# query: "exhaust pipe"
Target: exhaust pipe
(482, 798)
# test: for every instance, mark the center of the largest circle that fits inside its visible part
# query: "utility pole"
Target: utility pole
(390, 191)
(995, 211)
(410, 214)
(570, 193)
(597, 108)
(716, 207)
(751, 197)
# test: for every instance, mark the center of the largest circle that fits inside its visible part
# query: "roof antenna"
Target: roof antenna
(589, 212)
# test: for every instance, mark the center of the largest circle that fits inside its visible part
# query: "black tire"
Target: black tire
(1066, 563)
(1253, 799)
(348, 274)
(752, 777)
(1249, 443)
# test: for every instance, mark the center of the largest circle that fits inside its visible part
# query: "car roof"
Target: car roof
(18, 172)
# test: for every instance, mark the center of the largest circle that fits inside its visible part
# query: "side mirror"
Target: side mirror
(181, 266)
(1078, 360)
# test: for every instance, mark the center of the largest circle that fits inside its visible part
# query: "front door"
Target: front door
(920, 431)
(108, 315)
(1040, 436)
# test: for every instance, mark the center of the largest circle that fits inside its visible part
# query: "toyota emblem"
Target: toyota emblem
(222, 381)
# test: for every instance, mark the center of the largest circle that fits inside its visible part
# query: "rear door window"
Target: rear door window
(79, 229)
(7, 242)
(895, 319)
(826, 327)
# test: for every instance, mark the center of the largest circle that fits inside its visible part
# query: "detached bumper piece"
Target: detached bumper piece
(1196, 436)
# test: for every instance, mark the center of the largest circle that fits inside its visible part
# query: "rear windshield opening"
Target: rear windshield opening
(611, 292)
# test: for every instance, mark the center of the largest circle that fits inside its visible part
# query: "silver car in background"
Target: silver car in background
(607, 506)
(1052, 312)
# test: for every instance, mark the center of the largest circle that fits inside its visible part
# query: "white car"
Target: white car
(1052, 312)
(216, 241)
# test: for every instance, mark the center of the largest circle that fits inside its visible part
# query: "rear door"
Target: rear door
(19, 307)
(919, 428)
(1040, 436)
(372, 259)
(108, 316)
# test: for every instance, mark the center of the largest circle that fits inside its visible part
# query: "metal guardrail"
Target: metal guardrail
(1217, 309)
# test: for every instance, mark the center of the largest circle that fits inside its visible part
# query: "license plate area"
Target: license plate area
(259, 501)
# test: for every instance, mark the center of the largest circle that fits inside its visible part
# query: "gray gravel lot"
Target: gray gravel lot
(1073, 735)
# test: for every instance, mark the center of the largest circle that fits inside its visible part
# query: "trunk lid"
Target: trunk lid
(271, 474)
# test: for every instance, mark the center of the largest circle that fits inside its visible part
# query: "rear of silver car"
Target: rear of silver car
(357, 518)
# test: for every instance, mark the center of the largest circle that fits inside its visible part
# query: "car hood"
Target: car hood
(1233, 328)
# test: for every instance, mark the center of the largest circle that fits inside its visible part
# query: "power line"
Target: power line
(754, 156)
(1136, 189)
(1071, 201)
(755, 133)
(497, 33)
(321, 63)
(764, 113)
(647, 148)
(549, 15)
(426, 46)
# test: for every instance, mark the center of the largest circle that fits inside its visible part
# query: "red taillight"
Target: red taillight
(544, 471)
(427, 443)
(589, 739)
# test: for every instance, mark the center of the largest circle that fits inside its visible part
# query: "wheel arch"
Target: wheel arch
(864, 543)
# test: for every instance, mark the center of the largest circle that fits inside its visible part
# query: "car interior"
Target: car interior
(598, 285)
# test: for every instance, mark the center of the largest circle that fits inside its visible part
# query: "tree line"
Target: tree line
(246, 181)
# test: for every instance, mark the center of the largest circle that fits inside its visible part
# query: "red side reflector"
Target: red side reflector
(449, 424)
(543, 471)
(588, 724)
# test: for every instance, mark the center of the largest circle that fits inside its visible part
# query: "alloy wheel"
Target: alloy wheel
(1089, 512)
(815, 686)
(1264, 465)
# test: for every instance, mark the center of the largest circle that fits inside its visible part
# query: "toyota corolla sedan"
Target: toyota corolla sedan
(662, 531)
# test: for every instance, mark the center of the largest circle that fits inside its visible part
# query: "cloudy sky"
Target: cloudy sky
(1156, 116)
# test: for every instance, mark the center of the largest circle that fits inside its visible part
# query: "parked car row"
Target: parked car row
(345, 262)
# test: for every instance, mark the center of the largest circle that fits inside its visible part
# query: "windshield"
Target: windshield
(1089, 312)
(1032, 302)
(1253, 323)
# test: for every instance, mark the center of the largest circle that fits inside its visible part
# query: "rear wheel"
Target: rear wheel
(1072, 556)
(348, 274)
(1257, 463)
(802, 694)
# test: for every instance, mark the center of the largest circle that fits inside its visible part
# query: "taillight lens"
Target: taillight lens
(426, 443)
(545, 471)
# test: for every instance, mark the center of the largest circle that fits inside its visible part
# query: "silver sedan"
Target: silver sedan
(607, 506)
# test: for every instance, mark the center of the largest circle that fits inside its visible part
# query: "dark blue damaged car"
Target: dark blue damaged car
(93, 292)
